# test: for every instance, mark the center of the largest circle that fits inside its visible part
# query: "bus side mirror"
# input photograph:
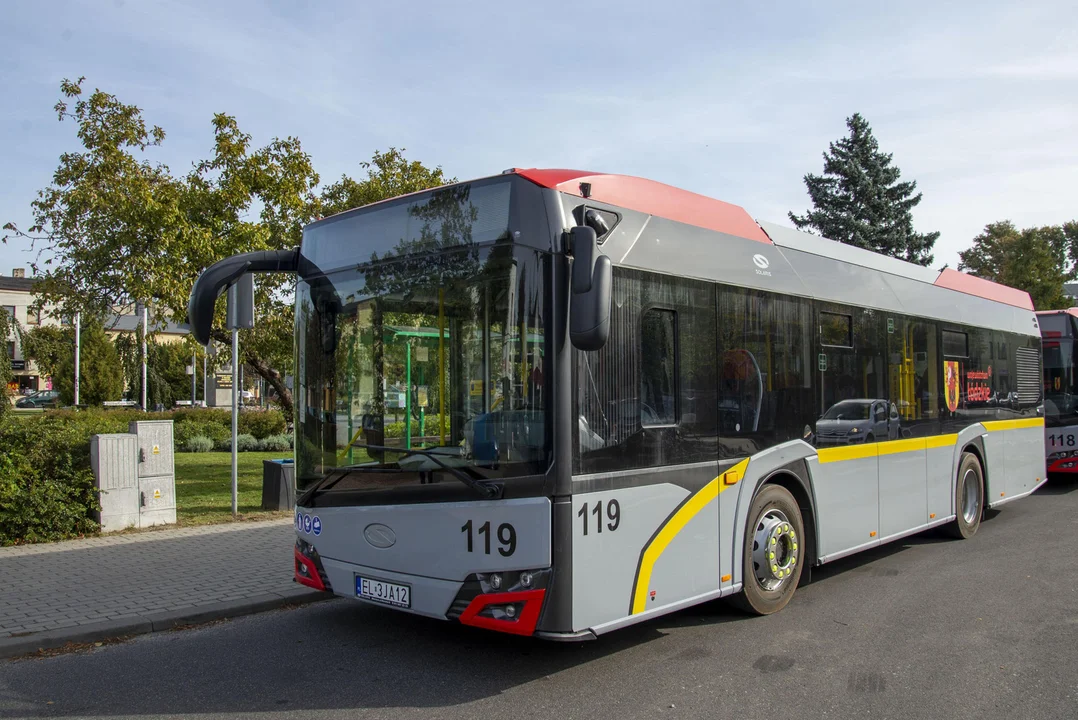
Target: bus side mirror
(589, 301)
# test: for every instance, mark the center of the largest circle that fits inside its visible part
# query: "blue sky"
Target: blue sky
(977, 101)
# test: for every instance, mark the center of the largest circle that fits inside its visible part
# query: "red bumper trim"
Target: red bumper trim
(312, 579)
(523, 624)
(1055, 466)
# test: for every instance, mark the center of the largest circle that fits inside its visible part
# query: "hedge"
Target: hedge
(46, 485)
(47, 488)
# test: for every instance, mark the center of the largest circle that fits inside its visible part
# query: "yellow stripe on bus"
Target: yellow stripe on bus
(673, 526)
(847, 452)
(897, 446)
(890, 447)
(938, 441)
(994, 425)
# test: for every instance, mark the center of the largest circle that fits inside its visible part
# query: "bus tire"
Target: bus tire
(773, 552)
(968, 498)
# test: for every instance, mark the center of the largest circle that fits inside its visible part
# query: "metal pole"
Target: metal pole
(194, 377)
(235, 415)
(145, 316)
(205, 378)
(78, 350)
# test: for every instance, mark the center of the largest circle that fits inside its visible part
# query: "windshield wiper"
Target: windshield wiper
(483, 488)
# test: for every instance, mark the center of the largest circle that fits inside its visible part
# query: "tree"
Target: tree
(100, 373)
(123, 229)
(1038, 259)
(47, 345)
(859, 200)
(166, 369)
(7, 325)
(389, 174)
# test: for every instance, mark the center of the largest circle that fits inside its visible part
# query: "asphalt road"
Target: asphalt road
(924, 628)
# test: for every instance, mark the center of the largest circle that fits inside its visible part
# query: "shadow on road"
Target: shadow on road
(1059, 485)
(340, 656)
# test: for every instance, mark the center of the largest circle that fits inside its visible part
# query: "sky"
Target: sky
(977, 101)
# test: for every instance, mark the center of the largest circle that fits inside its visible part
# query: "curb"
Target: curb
(155, 622)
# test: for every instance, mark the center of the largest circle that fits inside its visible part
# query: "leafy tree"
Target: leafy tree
(100, 373)
(47, 345)
(389, 174)
(7, 325)
(122, 229)
(166, 369)
(859, 200)
(1038, 259)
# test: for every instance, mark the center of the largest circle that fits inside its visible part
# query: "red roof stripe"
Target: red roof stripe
(1069, 311)
(653, 198)
(954, 280)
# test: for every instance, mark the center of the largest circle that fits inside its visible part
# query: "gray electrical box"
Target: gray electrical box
(114, 459)
(156, 471)
(240, 303)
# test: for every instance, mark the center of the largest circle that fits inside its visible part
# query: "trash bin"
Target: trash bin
(278, 484)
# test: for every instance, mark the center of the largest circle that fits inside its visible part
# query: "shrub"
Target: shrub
(184, 431)
(244, 443)
(261, 423)
(276, 443)
(46, 486)
(198, 444)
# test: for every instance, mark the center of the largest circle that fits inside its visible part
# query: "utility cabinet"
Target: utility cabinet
(156, 471)
(135, 473)
(114, 460)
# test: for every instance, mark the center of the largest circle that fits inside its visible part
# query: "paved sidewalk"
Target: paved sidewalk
(98, 588)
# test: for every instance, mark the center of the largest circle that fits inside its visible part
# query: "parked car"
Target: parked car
(858, 421)
(40, 399)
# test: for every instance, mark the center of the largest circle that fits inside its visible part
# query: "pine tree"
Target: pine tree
(859, 200)
(100, 372)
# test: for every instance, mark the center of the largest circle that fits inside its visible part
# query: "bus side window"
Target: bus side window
(658, 368)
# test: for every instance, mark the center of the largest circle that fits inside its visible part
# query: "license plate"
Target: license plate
(383, 592)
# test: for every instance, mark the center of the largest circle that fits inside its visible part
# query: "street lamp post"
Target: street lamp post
(78, 349)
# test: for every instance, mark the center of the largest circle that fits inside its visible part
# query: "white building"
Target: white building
(16, 297)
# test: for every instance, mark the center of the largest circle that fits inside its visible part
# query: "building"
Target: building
(17, 299)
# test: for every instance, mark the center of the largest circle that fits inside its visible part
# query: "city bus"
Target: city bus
(556, 403)
(1060, 392)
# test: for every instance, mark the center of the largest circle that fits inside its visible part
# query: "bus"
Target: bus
(555, 403)
(1060, 392)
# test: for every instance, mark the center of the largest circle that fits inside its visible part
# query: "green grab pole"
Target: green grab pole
(408, 395)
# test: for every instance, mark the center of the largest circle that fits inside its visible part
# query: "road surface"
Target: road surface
(924, 628)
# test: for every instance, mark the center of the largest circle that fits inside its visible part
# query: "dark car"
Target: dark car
(41, 399)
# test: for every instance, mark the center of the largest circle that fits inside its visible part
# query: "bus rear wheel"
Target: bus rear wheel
(968, 498)
(773, 552)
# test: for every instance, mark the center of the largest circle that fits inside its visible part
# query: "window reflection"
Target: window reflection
(647, 398)
(764, 386)
(434, 343)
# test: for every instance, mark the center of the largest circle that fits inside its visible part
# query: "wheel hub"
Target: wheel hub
(775, 550)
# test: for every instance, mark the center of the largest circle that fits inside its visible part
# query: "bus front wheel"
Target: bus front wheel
(773, 553)
(968, 498)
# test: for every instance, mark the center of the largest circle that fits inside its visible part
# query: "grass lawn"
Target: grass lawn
(204, 487)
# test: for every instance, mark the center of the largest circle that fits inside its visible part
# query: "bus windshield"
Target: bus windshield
(1060, 403)
(436, 352)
